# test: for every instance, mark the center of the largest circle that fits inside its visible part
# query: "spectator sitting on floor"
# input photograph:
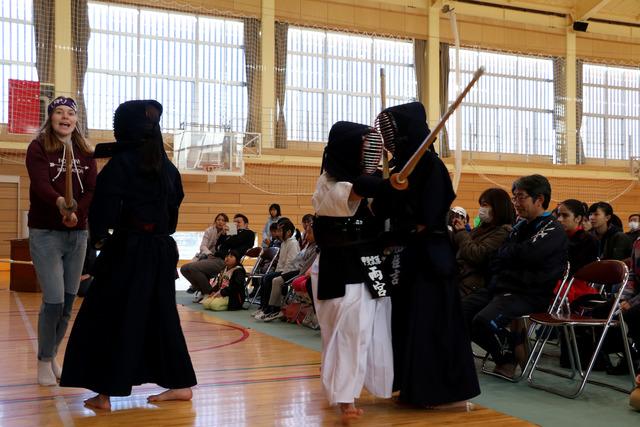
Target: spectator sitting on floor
(203, 266)
(288, 251)
(227, 292)
(524, 273)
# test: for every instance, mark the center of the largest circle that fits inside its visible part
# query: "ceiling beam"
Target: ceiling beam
(585, 9)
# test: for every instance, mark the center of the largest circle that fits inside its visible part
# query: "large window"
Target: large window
(511, 108)
(193, 65)
(611, 112)
(18, 50)
(335, 76)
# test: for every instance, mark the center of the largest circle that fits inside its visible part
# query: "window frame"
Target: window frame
(195, 112)
(513, 109)
(326, 92)
(631, 148)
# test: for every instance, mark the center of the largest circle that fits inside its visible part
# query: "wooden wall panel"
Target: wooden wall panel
(231, 195)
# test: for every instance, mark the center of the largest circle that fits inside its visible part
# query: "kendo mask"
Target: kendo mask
(352, 150)
(403, 128)
(132, 121)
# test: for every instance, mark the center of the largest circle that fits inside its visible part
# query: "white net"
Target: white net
(206, 67)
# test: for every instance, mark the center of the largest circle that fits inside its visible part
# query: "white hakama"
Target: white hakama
(355, 328)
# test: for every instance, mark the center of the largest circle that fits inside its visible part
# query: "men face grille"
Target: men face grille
(386, 125)
(371, 152)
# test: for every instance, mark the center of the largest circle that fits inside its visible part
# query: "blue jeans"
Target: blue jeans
(58, 257)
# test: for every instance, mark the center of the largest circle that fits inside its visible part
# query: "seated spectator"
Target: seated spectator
(275, 240)
(458, 213)
(274, 216)
(227, 292)
(240, 242)
(475, 249)
(300, 265)
(634, 227)
(583, 246)
(524, 272)
(307, 220)
(203, 266)
(630, 306)
(613, 243)
(288, 251)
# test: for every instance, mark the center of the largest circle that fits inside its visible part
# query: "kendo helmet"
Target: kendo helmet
(403, 128)
(133, 123)
(353, 149)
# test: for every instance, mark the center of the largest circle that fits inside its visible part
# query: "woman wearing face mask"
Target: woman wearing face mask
(475, 249)
(634, 227)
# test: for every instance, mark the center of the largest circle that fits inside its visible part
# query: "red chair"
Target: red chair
(612, 275)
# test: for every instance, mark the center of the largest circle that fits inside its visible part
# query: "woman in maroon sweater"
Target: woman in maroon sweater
(57, 233)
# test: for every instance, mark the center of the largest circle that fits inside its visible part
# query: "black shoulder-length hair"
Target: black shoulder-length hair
(501, 206)
(277, 208)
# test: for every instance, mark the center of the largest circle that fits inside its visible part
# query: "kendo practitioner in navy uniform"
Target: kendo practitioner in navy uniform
(128, 331)
(350, 293)
(433, 361)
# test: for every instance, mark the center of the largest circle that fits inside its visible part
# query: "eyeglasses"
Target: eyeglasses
(520, 197)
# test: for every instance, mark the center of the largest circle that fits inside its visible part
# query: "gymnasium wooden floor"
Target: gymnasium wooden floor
(245, 378)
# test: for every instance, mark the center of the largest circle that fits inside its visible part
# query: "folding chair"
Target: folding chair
(265, 263)
(253, 253)
(613, 276)
(558, 301)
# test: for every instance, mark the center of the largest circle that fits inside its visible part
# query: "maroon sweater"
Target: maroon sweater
(47, 175)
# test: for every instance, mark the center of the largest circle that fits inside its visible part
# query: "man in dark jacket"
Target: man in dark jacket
(242, 241)
(524, 273)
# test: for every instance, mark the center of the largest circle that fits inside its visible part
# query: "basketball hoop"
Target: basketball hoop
(213, 150)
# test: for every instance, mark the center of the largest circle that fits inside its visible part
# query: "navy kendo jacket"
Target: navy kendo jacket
(532, 259)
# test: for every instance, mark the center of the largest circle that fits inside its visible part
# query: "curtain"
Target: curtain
(44, 27)
(253, 55)
(420, 59)
(280, 82)
(444, 97)
(559, 109)
(80, 33)
(43, 23)
(580, 158)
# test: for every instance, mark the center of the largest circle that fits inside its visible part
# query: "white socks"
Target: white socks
(45, 374)
(56, 368)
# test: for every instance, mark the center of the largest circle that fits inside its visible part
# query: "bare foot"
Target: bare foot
(463, 405)
(99, 401)
(172, 394)
(350, 412)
